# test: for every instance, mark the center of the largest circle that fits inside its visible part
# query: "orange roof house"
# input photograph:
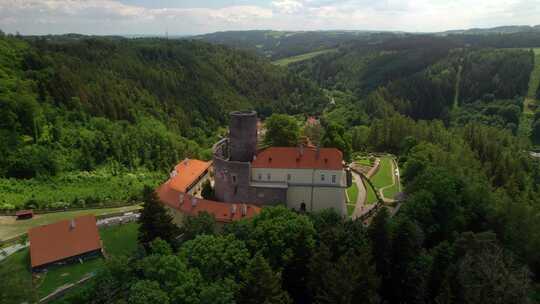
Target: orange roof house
(187, 173)
(299, 158)
(63, 240)
(190, 205)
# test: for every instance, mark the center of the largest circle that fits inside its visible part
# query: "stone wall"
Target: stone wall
(231, 181)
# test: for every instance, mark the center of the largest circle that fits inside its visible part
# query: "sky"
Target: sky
(188, 17)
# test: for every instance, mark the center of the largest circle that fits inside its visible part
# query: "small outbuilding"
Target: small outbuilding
(64, 242)
(24, 214)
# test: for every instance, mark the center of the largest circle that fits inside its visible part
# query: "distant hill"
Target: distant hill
(508, 29)
(282, 44)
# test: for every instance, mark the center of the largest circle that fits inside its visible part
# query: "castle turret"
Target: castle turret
(243, 135)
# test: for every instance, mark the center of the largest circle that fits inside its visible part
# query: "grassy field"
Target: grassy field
(350, 209)
(352, 193)
(384, 178)
(370, 196)
(76, 189)
(302, 57)
(10, 227)
(364, 162)
(529, 100)
(117, 240)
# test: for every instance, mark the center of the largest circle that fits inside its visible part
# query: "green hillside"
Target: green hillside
(72, 104)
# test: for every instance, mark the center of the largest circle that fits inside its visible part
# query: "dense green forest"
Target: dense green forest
(281, 44)
(78, 103)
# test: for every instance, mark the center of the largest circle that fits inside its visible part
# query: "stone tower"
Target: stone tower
(243, 135)
(233, 156)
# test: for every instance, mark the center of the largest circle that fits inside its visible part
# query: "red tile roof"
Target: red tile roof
(299, 158)
(60, 240)
(187, 172)
(221, 211)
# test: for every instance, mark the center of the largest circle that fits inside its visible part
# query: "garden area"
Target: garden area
(117, 240)
(384, 178)
(352, 195)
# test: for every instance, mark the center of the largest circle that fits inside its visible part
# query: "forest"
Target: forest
(124, 106)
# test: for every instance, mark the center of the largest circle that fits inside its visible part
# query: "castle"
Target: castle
(304, 178)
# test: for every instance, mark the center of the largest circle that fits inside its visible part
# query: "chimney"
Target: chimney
(244, 209)
(233, 209)
(72, 224)
(193, 202)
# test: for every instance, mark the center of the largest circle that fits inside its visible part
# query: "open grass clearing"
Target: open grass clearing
(384, 178)
(302, 57)
(117, 240)
(11, 227)
(350, 209)
(370, 197)
(352, 193)
(384, 175)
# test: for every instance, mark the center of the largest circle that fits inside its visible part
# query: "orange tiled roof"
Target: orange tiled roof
(187, 172)
(293, 158)
(60, 240)
(221, 211)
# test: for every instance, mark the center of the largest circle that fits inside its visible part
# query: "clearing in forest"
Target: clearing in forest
(530, 103)
(302, 57)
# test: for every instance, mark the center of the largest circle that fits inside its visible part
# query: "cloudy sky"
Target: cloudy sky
(181, 17)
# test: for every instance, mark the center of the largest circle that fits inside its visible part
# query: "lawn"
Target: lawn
(10, 227)
(350, 209)
(302, 57)
(384, 178)
(370, 197)
(364, 162)
(352, 193)
(120, 240)
(117, 240)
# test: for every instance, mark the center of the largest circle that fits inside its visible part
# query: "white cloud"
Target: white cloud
(115, 17)
(287, 6)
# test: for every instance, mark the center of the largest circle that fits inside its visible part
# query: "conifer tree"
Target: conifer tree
(155, 220)
(260, 284)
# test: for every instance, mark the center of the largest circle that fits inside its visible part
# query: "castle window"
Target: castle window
(268, 176)
(288, 177)
(322, 177)
(260, 176)
(333, 179)
(234, 178)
